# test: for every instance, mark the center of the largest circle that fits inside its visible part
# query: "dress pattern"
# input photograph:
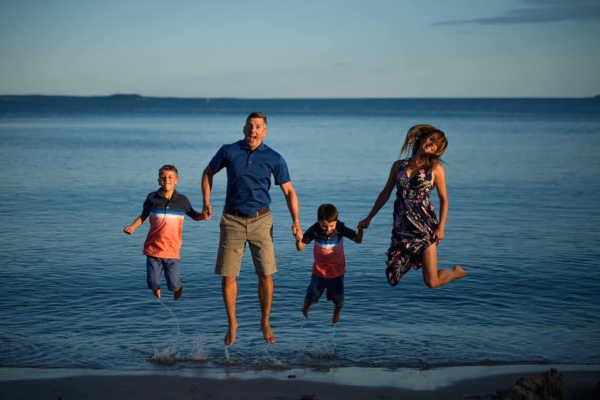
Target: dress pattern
(414, 222)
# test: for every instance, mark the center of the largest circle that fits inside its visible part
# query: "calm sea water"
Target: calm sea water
(523, 188)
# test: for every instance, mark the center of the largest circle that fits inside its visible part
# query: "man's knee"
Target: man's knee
(229, 281)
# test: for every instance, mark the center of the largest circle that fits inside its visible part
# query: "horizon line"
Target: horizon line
(209, 98)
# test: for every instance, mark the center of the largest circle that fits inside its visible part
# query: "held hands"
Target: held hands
(364, 224)
(207, 211)
(201, 217)
(297, 230)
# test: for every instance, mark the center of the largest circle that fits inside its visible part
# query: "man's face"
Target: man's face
(327, 227)
(254, 131)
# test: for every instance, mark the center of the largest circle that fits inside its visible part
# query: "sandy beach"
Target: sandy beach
(283, 385)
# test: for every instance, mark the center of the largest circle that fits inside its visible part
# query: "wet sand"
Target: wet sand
(342, 383)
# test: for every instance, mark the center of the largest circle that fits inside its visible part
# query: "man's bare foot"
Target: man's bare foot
(156, 293)
(268, 334)
(177, 294)
(461, 273)
(230, 336)
(336, 315)
(305, 310)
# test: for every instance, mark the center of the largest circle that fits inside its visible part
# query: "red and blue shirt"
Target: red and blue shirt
(166, 216)
(328, 251)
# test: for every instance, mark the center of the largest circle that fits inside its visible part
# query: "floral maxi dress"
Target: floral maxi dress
(414, 222)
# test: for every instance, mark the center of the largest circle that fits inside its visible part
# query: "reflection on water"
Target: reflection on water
(522, 220)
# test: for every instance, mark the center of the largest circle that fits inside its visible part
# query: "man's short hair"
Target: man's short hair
(257, 114)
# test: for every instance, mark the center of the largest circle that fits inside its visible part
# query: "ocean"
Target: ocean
(524, 216)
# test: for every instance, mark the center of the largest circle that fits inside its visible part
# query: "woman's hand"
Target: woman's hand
(438, 235)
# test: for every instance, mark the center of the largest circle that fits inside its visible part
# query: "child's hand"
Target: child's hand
(201, 217)
(129, 230)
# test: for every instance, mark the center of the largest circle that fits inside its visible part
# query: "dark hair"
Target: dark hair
(327, 212)
(257, 114)
(414, 139)
(168, 167)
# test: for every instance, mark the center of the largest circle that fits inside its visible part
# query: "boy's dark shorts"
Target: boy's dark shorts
(334, 286)
(156, 266)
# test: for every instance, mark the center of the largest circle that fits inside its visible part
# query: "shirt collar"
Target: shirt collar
(259, 148)
(160, 193)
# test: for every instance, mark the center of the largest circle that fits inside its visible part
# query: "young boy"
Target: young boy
(166, 208)
(329, 264)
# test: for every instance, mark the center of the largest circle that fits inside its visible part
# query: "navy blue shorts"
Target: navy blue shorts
(334, 286)
(155, 267)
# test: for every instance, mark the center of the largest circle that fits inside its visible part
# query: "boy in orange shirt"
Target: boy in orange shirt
(166, 209)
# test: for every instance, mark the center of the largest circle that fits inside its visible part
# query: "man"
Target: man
(246, 216)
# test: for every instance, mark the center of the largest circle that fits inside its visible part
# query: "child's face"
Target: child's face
(167, 180)
(327, 227)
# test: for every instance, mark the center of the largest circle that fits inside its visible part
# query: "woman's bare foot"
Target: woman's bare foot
(460, 273)
(177, 294)
(305, 310)
(156, 293)
(230, 336)
(268, 334)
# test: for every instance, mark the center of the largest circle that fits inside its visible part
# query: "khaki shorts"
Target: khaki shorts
(235, 232)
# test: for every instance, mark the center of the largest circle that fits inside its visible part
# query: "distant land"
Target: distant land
(135, 96)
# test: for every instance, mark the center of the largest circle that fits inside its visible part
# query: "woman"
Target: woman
(417, 231)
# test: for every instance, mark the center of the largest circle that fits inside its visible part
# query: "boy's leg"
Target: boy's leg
(314, 291)
(305, 308)
(335, 293)
(336, 313)
(172, 274)
(154, 267)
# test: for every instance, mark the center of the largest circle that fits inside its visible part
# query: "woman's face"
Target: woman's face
(431, 143)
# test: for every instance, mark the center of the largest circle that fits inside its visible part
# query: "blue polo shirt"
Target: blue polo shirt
(249, 175)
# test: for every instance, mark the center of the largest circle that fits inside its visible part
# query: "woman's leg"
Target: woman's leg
(435, 278)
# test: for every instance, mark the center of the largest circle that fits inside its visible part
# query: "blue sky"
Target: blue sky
(308, 49)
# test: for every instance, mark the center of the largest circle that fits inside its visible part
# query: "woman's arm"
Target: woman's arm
(439, 179)
(383, 197)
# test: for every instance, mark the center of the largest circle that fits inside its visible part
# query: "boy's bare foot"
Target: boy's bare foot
(268, 334)
(177, 294)
(336, 315)
(230, 336)
(305, 310)
(156, 293)
(461, 273)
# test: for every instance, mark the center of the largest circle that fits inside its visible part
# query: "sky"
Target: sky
(301, 49)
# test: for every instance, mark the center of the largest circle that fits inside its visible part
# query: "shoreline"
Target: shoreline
(336, 383)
